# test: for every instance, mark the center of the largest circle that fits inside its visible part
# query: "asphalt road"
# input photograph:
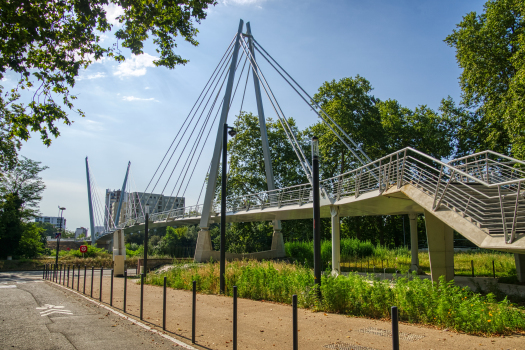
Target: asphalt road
(38, 315)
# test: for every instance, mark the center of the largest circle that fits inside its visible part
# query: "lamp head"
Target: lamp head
(232, 132)
(315, 146)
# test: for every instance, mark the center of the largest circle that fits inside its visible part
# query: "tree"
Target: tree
(490, 48)
(46, 43)
(20, 191)
(30, 244)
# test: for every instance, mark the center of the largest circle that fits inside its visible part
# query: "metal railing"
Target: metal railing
(485, 188)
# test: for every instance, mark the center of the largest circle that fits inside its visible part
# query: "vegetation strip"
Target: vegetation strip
(442, 304)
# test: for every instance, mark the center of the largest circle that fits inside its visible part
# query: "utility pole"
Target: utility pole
(146, 233)
(224, 193)
(317, 214)
(59, 233)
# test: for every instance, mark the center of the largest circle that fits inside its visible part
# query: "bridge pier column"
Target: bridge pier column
(336, 241)
(414, 265)
(203, 247)
(277, 239)
(520, 266)
(440, 247)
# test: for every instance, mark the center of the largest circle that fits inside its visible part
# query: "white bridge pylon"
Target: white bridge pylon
(479, 195)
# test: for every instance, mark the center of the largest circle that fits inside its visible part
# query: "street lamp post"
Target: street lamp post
(317, 213)
(224, 192)
(60, 233)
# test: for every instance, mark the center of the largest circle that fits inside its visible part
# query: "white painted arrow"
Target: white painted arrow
(53, 309)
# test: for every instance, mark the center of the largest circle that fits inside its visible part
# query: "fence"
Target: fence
(61, 275)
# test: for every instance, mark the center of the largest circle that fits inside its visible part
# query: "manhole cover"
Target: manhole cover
(388, 333)
(346, 346)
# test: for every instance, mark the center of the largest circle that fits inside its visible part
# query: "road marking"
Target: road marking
(9, 286)
(176, 341)
(53, 309)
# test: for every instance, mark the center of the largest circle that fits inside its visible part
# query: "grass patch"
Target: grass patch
(363, 256)
(444, 305)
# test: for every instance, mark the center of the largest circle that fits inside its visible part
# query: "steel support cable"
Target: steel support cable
(316, 104)
(244, 93)
(136, 197)
(94, 195)
(306, 168)
(189, 138)
(207, 136)
(102, 208)
(277, 103)
(221, 63)
(194, 149)
(204, 183)
(206, 121)
(320, 116)
(198, 120)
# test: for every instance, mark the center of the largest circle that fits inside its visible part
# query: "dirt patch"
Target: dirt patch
(265, 325)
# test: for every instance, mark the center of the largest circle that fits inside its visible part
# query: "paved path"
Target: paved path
(38, 315)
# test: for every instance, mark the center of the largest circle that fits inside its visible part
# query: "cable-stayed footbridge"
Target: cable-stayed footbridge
(480, 195)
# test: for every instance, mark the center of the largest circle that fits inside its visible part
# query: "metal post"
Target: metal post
(92, 275)
(146, 233)
(223, 208)
(111, 291)
(100, 289)
(44, 273)
(85, 268)
(395, 329)
(60, 231)
(125, 289)
(214, 169)
(67, 276)
(73, 278)
(234, 317)
(164, 306)
(141, 294)
(78, 278)
(472, 266)
(193, 307)
(493, 269)
(317, 214)
(294, 323)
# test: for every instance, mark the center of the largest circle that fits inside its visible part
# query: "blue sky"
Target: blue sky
(133, 110)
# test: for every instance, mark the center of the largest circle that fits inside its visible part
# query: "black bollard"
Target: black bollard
(44, 273)
(294, 323)
(125, 289)
(59, 274)
(493, 269)
(141, 294)
(164, 306)
(395, 329)
(64, 273)
(67, 276)
(111, 293)
(73, 278)
(472, 265)
(78, 279)
(92, 276)
(85, 268)
(194, 301)
(100, 290)
(234, 317)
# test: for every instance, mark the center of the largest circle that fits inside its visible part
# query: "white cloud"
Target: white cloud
(147, 88)
(92, 76)
(112, 12)
(133, 98)
(135, 66)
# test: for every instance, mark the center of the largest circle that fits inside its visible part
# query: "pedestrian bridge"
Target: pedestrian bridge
(479, 196)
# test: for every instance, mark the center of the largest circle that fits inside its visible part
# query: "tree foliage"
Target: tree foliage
(490, 49)
(46, 43)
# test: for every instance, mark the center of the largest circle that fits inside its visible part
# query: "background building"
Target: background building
(53, 220)
(136, 203)
(81, 232)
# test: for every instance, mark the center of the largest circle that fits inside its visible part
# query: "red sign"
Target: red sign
(83, 248)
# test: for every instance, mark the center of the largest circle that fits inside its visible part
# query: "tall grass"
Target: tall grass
(419, 301)
(365, 257)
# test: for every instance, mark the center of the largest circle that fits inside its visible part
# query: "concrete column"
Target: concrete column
(203, 246)
(336, 240)
(440, 247)
(414, 265)
(277, 240)
(520, 266)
